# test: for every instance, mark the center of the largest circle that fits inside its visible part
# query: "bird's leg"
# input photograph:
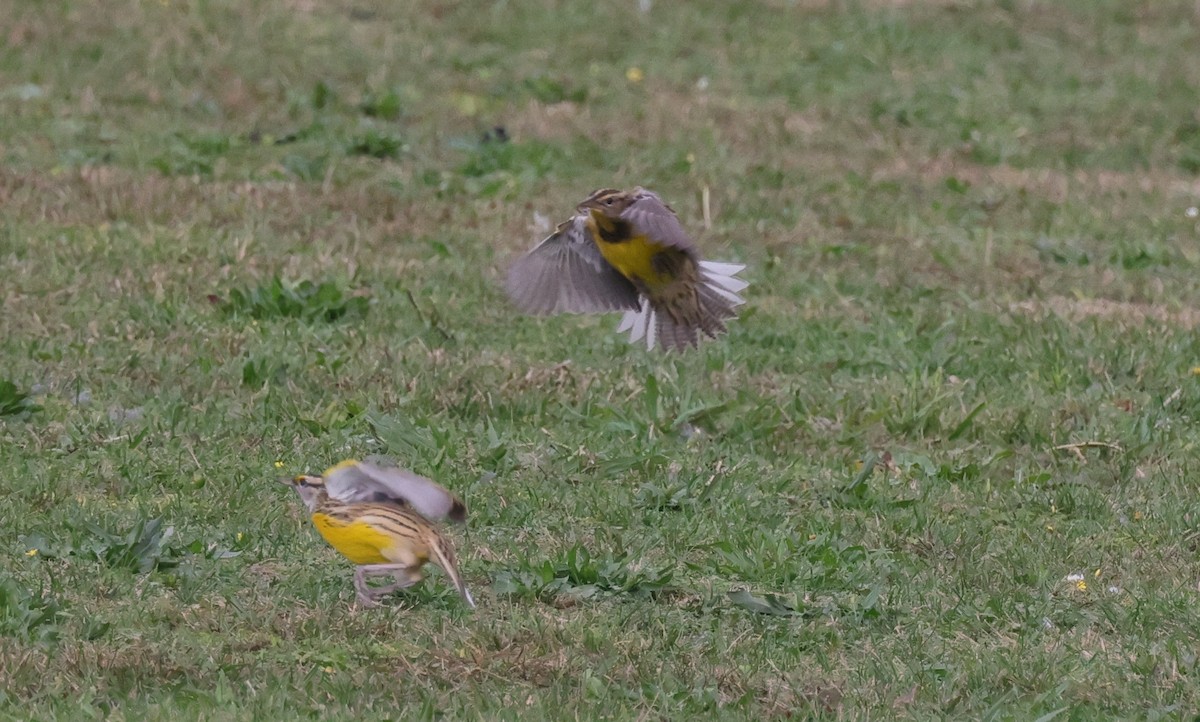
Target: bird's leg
(403, 579)
(402, 574)
(360, 586)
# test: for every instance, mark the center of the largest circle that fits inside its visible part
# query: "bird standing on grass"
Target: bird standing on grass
(381, 518)
(627, 251)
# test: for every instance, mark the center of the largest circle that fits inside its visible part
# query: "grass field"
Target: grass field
(943, 466)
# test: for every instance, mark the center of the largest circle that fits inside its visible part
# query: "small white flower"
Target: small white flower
(1114, 589)
(702, 83)
(1075, 577)
(1192, 212)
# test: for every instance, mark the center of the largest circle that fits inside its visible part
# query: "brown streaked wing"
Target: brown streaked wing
(566, 274)
(651, 216)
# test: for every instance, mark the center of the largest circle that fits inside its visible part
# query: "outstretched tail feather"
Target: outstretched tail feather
(676, 336)
(717, 297)
(724, 276)
(716, 306)
(444, 557)
(630, 322)
(726, 272)
(639, 323)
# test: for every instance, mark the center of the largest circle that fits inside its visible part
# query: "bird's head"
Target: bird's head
(310, 488)
(607, 202)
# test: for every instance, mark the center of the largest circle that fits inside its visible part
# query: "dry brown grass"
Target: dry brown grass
(1116, 312)
(1055, 185)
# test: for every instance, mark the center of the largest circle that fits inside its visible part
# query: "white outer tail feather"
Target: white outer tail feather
(721, 278)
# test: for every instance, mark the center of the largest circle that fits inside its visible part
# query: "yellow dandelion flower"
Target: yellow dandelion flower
(31, 553)
(635, 75)
(1196, 371)
(240, 536)
(1081, 585)
(278, 464)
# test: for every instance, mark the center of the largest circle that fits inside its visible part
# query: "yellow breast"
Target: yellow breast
(632, 257)
(358, 541)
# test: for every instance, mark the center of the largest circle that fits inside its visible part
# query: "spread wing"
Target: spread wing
(651, 216)
(364, 481)
(566, 274)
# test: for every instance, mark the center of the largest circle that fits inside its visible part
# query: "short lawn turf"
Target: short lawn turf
(945, 465)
